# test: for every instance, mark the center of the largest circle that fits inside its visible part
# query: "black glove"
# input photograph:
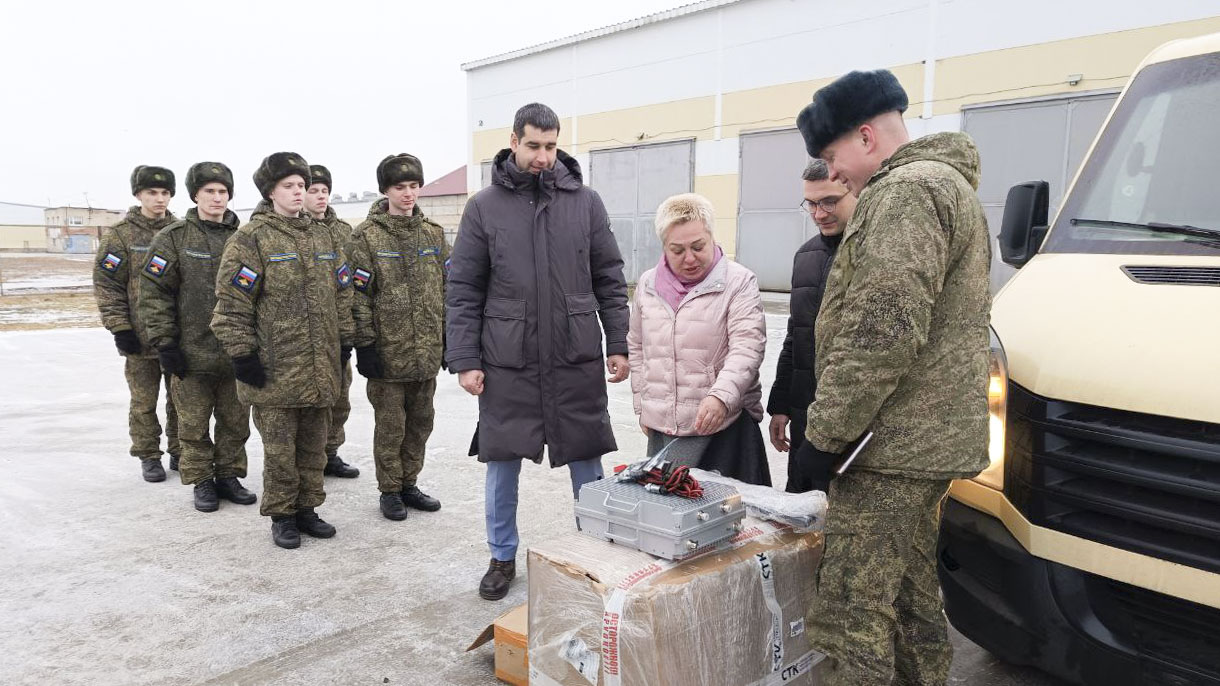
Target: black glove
(813, 468)
(345, 354)
(368, 362)
(249, 370)
(172, 360)
(127, 342)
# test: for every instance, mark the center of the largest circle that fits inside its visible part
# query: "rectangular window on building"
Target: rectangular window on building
(75, 221)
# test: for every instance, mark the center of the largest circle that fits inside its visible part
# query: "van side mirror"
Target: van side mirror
(1025, 222)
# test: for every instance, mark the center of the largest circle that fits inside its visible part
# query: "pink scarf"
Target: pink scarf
(672, 288)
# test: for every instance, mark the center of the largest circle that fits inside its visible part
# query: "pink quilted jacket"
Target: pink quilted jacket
(713, 344)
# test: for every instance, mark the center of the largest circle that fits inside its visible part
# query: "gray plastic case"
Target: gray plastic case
(667, 526)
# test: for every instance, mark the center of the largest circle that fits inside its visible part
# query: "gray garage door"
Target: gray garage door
(770, 224)
(1045, 140)
(632, 182)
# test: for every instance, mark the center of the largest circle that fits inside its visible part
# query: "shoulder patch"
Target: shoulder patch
(361, 279)
(282, 257)
(110, 262)
(156, 265)
(245, 278)
(343, 275)
(428, 252)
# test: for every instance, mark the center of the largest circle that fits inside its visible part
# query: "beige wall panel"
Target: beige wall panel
(23, 237)
(1105, 61)
(721, 189)
(774, 106)
(694, 118)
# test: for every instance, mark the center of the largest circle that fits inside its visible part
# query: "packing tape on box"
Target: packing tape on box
(766, 578)
(616, 601)
(790, 671)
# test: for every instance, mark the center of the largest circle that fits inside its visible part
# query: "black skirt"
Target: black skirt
(737, 452)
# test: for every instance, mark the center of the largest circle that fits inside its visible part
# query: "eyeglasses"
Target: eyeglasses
(827, 205)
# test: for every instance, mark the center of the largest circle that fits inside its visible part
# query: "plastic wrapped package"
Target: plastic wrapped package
(612, 616)
(801, 511)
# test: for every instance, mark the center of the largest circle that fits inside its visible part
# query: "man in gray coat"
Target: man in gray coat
(534, 265)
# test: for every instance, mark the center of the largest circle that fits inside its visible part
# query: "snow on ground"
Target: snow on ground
(106, 579)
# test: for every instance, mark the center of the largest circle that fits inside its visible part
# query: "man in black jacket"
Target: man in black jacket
(830, 206)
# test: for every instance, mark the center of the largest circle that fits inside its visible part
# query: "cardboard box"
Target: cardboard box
(512, 652)
(608, 615)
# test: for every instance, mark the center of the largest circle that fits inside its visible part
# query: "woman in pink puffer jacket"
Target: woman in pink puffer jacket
(696, 343)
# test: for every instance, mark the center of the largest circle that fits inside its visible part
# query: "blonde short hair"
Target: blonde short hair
(683, 208)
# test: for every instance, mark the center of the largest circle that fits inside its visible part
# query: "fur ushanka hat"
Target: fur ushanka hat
(203, 173)
(395, 169)
(846, 103)
(145, 176)
(278, 166)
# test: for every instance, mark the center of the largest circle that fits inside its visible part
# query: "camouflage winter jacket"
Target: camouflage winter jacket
(902, 338)
(116, 273)
(283, 291)
(341, 229)
(178, 291)
(399, 276)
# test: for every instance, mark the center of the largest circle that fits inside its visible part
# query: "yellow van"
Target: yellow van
(1091, 546)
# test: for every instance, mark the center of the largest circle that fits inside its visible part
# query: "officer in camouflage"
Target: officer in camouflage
(901, 350)
(177, 296)
(399, 258)
(116, 276)
(284, 316)
(317, 204)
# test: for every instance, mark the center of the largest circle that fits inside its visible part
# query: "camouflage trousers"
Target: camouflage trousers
(198, 397)
(878, 615)
(339, 412)
(403, 416)
(294, 455)
(144, 379)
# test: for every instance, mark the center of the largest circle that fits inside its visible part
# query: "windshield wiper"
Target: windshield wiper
(1158, 227)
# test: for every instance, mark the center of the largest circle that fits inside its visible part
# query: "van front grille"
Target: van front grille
(1178, 276)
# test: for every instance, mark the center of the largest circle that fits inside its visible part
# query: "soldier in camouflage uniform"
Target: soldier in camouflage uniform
(116, 276)
(317, 204)
(177, 296)
(398, 261)
(284, 316)
(901, 346)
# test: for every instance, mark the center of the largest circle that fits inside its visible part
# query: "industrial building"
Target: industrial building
(704, 97)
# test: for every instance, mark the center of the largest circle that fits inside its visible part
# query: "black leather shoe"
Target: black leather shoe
(205, 496)
(231, 490)
(392, 507)
(494, 585)
(173, 462)
(153, 471)
(284, 531)
(311, 524)
(339, 468)
(413, 497)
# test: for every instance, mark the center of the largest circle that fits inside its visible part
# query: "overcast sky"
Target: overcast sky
(92, 89)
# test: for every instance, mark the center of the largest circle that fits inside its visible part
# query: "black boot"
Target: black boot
(413, 497)
(311, 524)
(494, 585)
(205, 496)
(173, 462)
(231, 490)
(153, 471)
(284, 531)
(339, 468)
(392, 507)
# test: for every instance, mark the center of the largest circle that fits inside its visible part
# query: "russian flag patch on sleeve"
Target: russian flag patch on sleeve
(361, 279)
(111, 262)
(245, 278)
(156, 265)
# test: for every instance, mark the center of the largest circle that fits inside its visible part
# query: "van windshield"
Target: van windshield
(1152, 184)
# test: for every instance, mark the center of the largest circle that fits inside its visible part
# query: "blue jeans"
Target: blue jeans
(500, 500)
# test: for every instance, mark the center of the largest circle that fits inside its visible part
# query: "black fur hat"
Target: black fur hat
(145, 176)
(395, 169)
(320, 174)
(277, 166)
(203, 173)
(846, 103)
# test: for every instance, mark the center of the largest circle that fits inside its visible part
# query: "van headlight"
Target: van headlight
(997, 406)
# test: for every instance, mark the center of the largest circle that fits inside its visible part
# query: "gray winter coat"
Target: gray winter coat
(534, 265)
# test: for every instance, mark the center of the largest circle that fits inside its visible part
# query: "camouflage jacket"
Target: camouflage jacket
(341, 229)
(902, 339)
(178, 291)
(283, 291)
(116, 273)
(398, 272)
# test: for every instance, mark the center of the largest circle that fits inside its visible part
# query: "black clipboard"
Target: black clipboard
(852, 451)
